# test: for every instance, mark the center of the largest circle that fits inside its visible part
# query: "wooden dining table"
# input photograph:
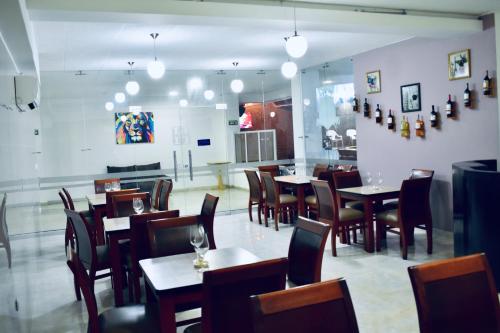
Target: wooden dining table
(369, 195)
(97, 206)
(300, 183)
(172, 281)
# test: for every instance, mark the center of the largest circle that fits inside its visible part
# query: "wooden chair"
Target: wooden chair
(170, 236)
(226, 293)
(4, 231)
(100, 184)
(310, 200)
(71, 205)
(338, 218)
(414, 174)
(207, 216)
(320, 307)
(282, 204)
(305, 253)
(318, 168)
(123, 203)
(414, 211)
(166, 189)
(155, 194)
(256, 194)
(132, 318)
(139, 244)
(274, 170)
(110, 213)
(456, 295)
(349, 179)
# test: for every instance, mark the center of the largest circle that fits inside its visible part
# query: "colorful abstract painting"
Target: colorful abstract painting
(131, 127)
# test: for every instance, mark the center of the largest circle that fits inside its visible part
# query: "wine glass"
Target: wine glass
(138, 205)
(201, 251)
(379, 181)
(115, 186)
(107, 187)
(369, 178)
(196, 234)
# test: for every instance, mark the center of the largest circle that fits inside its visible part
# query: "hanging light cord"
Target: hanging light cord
(295, 19)
(154, 36)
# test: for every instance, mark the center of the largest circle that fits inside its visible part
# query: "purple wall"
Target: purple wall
(473, 136)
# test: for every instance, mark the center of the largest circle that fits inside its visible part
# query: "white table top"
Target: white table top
(294, 179)
(369, 189)
(97, 199)
(116, 224)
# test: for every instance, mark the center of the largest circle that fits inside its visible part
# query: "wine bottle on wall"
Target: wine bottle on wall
(355, 104)
(450, 113)
(378, 115)
(366, 109)
(419, 127)
(486, 85)
(390, 120)
(434, 117)
(405, 127)
(467, 99)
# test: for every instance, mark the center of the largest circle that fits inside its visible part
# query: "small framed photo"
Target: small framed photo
(373, 82)
(410, 97)
(459, 65)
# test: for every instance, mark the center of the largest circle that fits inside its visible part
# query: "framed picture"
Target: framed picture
(133, 128)
(459, 65)
(373, 82)
(410, 97)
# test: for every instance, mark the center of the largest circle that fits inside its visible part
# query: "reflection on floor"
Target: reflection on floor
(22, 220)
(41, 284)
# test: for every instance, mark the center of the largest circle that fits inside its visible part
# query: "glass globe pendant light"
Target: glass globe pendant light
(156, 69)
(132, 87)
(289, 69)
(236, 85)
(296, 45)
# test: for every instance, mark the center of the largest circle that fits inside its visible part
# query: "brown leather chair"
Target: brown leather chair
(4, 231)
(100, 184)
(414, 211)
(282, 204)
(414, 174)
(170, 236)
(207, 216)
(256, 194)
(310, 200)
(109, 200)
(274, 170)
(155, 194)
(133, 318)
(349, 179)
(166, 189)
(139, 244)
(123, 204)
(318, 168)
(319, 307)
(456, 295)
(305, 253)
(226, 293)
(338, 218)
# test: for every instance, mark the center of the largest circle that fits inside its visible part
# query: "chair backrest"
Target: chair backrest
(421, 173)
(227, 291)
(414, 204)
(254, 185)
(274, 170)
(319, 168)
(207, 216)
(100, 184)
(272, 189)
(85, 243)
(170, 236)
(305, 254)
(71, 204)
(326, 201)
(109, 199)
(4, 235)
(347, 179)
(123, 203)
(166, 188)
(456, 295)
(351, 133)
(155, 193)
(327, 175)
(319, 307)
(64, 200)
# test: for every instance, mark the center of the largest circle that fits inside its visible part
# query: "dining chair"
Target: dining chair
(256, 196)
(349, 179)
(305, 253)
(456, 295)
(139, 244)
(155, 194)
(170, 236)
(282, 204)
(4, 231)
(414, 174)
(274, 169)
(166, 189)
(227, 291)
(310, 200)
(329, 212)
(123, 203)
(207, 216)
(414, 211)
(100, 184)
(135, 318)
(318, 168)
(71, 205)
(109, 200)
(320, 307)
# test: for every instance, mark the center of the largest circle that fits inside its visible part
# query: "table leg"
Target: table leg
(301, 201)
(117, 276)
(99, 213)
(368, 234)
(167, 314)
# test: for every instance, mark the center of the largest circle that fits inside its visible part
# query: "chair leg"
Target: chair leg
(266, 213)
(428, 230)
(354, 235)
(404, 243)
(378, 235)
(9, 253)
(130, 284)
(259, 213)
(76, 285)
(250, 210)
(276, 218)
(137, 288)
(334, 233)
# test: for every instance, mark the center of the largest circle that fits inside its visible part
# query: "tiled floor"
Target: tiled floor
(41, 284)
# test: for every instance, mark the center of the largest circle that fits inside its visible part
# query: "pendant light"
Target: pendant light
(236, 85)
(119, 97)
(156, 69)
(221, 105)
(289, 69)
(132, 87)
(296, 45)
(209, 94)
(109, 106)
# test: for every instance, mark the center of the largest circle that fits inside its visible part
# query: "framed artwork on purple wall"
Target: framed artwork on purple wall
(410, 97)
(459, 65)
(373, 82)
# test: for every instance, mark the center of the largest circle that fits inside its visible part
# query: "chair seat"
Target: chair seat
(102, 257)
(311, 200)
(391, 205)
(287, 199)
(358, 205)
(390, 216)
(133, 318)
(195, 328)
(348, 214)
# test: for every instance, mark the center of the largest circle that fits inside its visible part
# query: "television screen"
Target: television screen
(246, 120)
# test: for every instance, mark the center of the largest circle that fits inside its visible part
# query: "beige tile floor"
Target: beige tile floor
(41, 284)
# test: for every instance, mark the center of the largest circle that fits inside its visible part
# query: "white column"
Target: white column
(497, 35)
(298, 125)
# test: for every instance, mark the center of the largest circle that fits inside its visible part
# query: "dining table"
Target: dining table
(97, 206)
(369, 195)
(173, 281)
(300, 183)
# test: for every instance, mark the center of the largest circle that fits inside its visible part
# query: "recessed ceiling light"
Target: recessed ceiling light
(109, 106)
(194, 83)
(209, 95)
(132, 88)
(119, 97)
